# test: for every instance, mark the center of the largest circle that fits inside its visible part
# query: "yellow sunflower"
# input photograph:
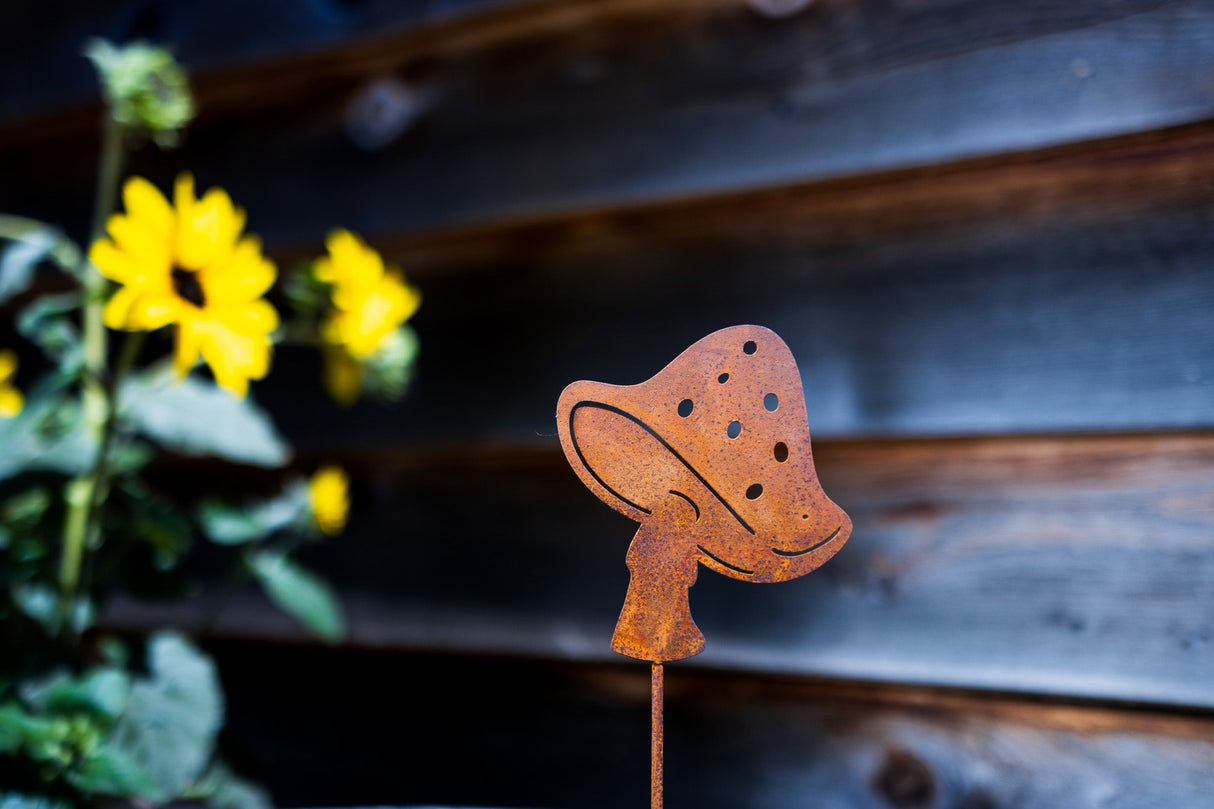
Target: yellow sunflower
(328, 493)
(370, 301)
(11, 400)
(187, 264)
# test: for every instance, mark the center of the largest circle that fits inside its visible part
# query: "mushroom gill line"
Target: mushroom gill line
(721, 561)
(662, 441)
(689, 500)
(813, 547)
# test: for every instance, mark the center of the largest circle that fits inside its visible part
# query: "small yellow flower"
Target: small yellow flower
(11, 400)
(187, 264)
(329, 494)
(370, 301)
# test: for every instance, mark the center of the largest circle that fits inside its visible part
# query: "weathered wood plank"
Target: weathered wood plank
(1067, 291)
(1078, 567)
(511, 733)
(46, 40)
(1050, 291)
(604, 107)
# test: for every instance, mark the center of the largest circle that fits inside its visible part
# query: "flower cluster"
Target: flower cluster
(189, 265)
(371, 302)
(82, 515)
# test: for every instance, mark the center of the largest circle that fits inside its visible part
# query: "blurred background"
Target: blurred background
(985, 229)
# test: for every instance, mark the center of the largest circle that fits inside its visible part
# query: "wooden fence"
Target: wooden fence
(986, 230)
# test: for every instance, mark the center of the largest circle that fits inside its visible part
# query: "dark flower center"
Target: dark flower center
(186, 283)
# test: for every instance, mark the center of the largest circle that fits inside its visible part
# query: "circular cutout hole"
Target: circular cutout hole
(749, 347)
(780, 451)
(723, 378)
(685, 408)
(753, 491)
(771, 402)
(734, 429)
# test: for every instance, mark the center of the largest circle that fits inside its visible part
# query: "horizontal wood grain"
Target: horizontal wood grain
(1083, 316)
(983, 227)
(1078, 567)
(498, 732)
(614, 103)
(1066, 290)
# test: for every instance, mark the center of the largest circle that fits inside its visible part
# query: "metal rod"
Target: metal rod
(657, 689)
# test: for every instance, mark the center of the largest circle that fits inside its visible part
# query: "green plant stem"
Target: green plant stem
(100, 474)
(109, 173)
(96, 396)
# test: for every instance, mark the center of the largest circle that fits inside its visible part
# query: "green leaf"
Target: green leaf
(157, 522)
(17, 728)
(101, 693)
(300, 593)
(197, 418)
(47, 434)
(113, 652)
(222, 789)
(128, 457)
(11, 728)
(33, 243)
(172, 718)
(46, 324)
(37, 738)
(225, 524)
(110, 770)
(16, 800)
(23, 511)
(40, 602)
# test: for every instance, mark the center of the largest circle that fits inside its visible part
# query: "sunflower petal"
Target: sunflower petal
(258, 317)
(185, 349)
(183, 195)
(224, 354)
(324, 270)
(245, 276)
(263, 352)
(111, 262)
(230, 219)
(117, 312)
(356, 267)
(235, 358)
(405, 298)
(150, 312)
(144, 203)
(207, 229)
(147, 251)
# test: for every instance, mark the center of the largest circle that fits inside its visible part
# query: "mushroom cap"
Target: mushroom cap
(724, 428)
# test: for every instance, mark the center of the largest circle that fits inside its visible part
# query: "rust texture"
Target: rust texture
(712, 457)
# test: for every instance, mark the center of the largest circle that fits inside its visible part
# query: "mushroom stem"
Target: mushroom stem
(655, 623)
(657, 691)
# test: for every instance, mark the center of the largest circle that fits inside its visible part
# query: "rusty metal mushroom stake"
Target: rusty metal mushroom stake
(711, 456)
